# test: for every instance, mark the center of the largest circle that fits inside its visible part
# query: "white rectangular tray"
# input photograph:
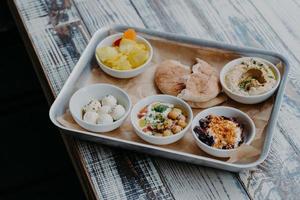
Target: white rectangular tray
(83, 67)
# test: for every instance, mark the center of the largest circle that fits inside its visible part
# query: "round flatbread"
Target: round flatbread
(170, 77)
(202, 67)
(202, 85)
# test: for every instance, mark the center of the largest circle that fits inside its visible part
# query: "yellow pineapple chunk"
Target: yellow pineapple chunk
(121, 63)
(141, 46)
(106, 53)
(126, 45)
(137, 57)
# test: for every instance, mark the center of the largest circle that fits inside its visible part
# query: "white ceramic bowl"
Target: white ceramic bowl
(249, 128)
(242, 98)
(165, 99)
(108, 41)
(98, 91)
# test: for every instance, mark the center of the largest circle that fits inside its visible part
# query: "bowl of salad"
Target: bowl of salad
(161, 119)
(124, 55)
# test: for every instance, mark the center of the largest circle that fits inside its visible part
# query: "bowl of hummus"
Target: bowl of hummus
(249, 80)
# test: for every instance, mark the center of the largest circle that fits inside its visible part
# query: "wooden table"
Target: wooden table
(56, 33)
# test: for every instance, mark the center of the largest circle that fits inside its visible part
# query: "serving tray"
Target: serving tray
(83, 69)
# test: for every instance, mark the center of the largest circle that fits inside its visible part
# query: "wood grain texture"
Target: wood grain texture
(240, 23)
(58, 46)
(119, 174)
(60, 30)
(96, 14)
(188, 181)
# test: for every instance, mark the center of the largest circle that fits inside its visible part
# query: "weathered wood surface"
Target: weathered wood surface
(59, 31)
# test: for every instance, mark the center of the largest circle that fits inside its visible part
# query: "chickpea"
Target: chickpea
(167, 132)
(174, 113)
(168, 123)
(176, 129)
(177, 110)
(182, 123)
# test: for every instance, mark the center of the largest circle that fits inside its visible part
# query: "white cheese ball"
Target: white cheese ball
(104, 109)
(104, 119)
(93, 105)
(109, 100)
(117, 112)
(90, 117)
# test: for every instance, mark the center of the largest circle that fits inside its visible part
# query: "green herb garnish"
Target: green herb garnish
(159, 117)
(160, 108)
(243, 84)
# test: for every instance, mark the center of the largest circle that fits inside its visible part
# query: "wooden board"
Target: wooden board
(59, 31)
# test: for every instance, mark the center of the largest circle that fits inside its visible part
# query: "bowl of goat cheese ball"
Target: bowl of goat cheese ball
(100, 107)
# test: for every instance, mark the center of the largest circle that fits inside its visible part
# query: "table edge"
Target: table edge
(68, 140)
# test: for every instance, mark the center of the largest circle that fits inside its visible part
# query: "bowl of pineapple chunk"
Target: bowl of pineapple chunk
(124, 55)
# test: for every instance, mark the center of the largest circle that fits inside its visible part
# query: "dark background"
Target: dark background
(34, 161)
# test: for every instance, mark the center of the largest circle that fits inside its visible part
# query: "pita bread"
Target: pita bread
(202, 85)
(202, 66)
(170, 77)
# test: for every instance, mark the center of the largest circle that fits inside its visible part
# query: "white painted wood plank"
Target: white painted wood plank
(186, 180)
(119, 174)
(278, 177)
(58, 64)
(283, 17)
(96, 14)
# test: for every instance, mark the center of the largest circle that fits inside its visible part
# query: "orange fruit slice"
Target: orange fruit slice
(130, 34)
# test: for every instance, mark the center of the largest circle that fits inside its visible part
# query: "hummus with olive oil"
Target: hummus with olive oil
(250, 77)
